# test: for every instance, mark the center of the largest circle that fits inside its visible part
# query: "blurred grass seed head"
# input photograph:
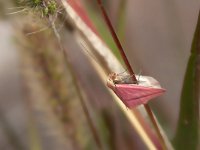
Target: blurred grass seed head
(46, 7)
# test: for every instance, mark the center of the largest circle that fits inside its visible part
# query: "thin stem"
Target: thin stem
(77, 87)
(146, 106)
(87, 114)
(84, 106)
(154, 122)
(116, 39)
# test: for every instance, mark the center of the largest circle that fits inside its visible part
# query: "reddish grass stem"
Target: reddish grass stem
(116, 39)
(153, 120)
(129, 68)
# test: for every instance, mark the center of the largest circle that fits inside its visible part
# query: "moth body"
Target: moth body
(134, 94)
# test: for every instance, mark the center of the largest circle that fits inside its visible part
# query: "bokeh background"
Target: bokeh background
(39, 104)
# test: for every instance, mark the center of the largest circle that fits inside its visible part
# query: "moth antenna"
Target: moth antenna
(116, 39)
(86, 50)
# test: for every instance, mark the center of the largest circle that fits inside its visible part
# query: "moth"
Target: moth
(131, 93)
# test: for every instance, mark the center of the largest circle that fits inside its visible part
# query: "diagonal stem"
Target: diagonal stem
(129, 68)
(154, 122)
(78, 89)
(116, 39)
(83, 104)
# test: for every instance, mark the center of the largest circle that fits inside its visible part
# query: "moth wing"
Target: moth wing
(133, 95)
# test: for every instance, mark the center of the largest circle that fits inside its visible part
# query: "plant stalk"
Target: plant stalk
(84, 106)
(116, 39)
(129, 68)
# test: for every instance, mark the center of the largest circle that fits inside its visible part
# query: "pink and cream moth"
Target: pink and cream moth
(134, 94)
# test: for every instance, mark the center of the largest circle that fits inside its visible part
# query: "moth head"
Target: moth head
(111, 79)
(116, 79)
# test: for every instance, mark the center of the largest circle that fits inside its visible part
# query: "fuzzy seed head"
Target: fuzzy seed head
(37, 2)
(52, 7)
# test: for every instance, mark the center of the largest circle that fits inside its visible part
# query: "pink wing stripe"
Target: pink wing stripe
(131, 92)
(133, 95)
(134, 103)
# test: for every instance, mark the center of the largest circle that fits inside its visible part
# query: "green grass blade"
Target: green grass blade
(121, 20)
(186, 136)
